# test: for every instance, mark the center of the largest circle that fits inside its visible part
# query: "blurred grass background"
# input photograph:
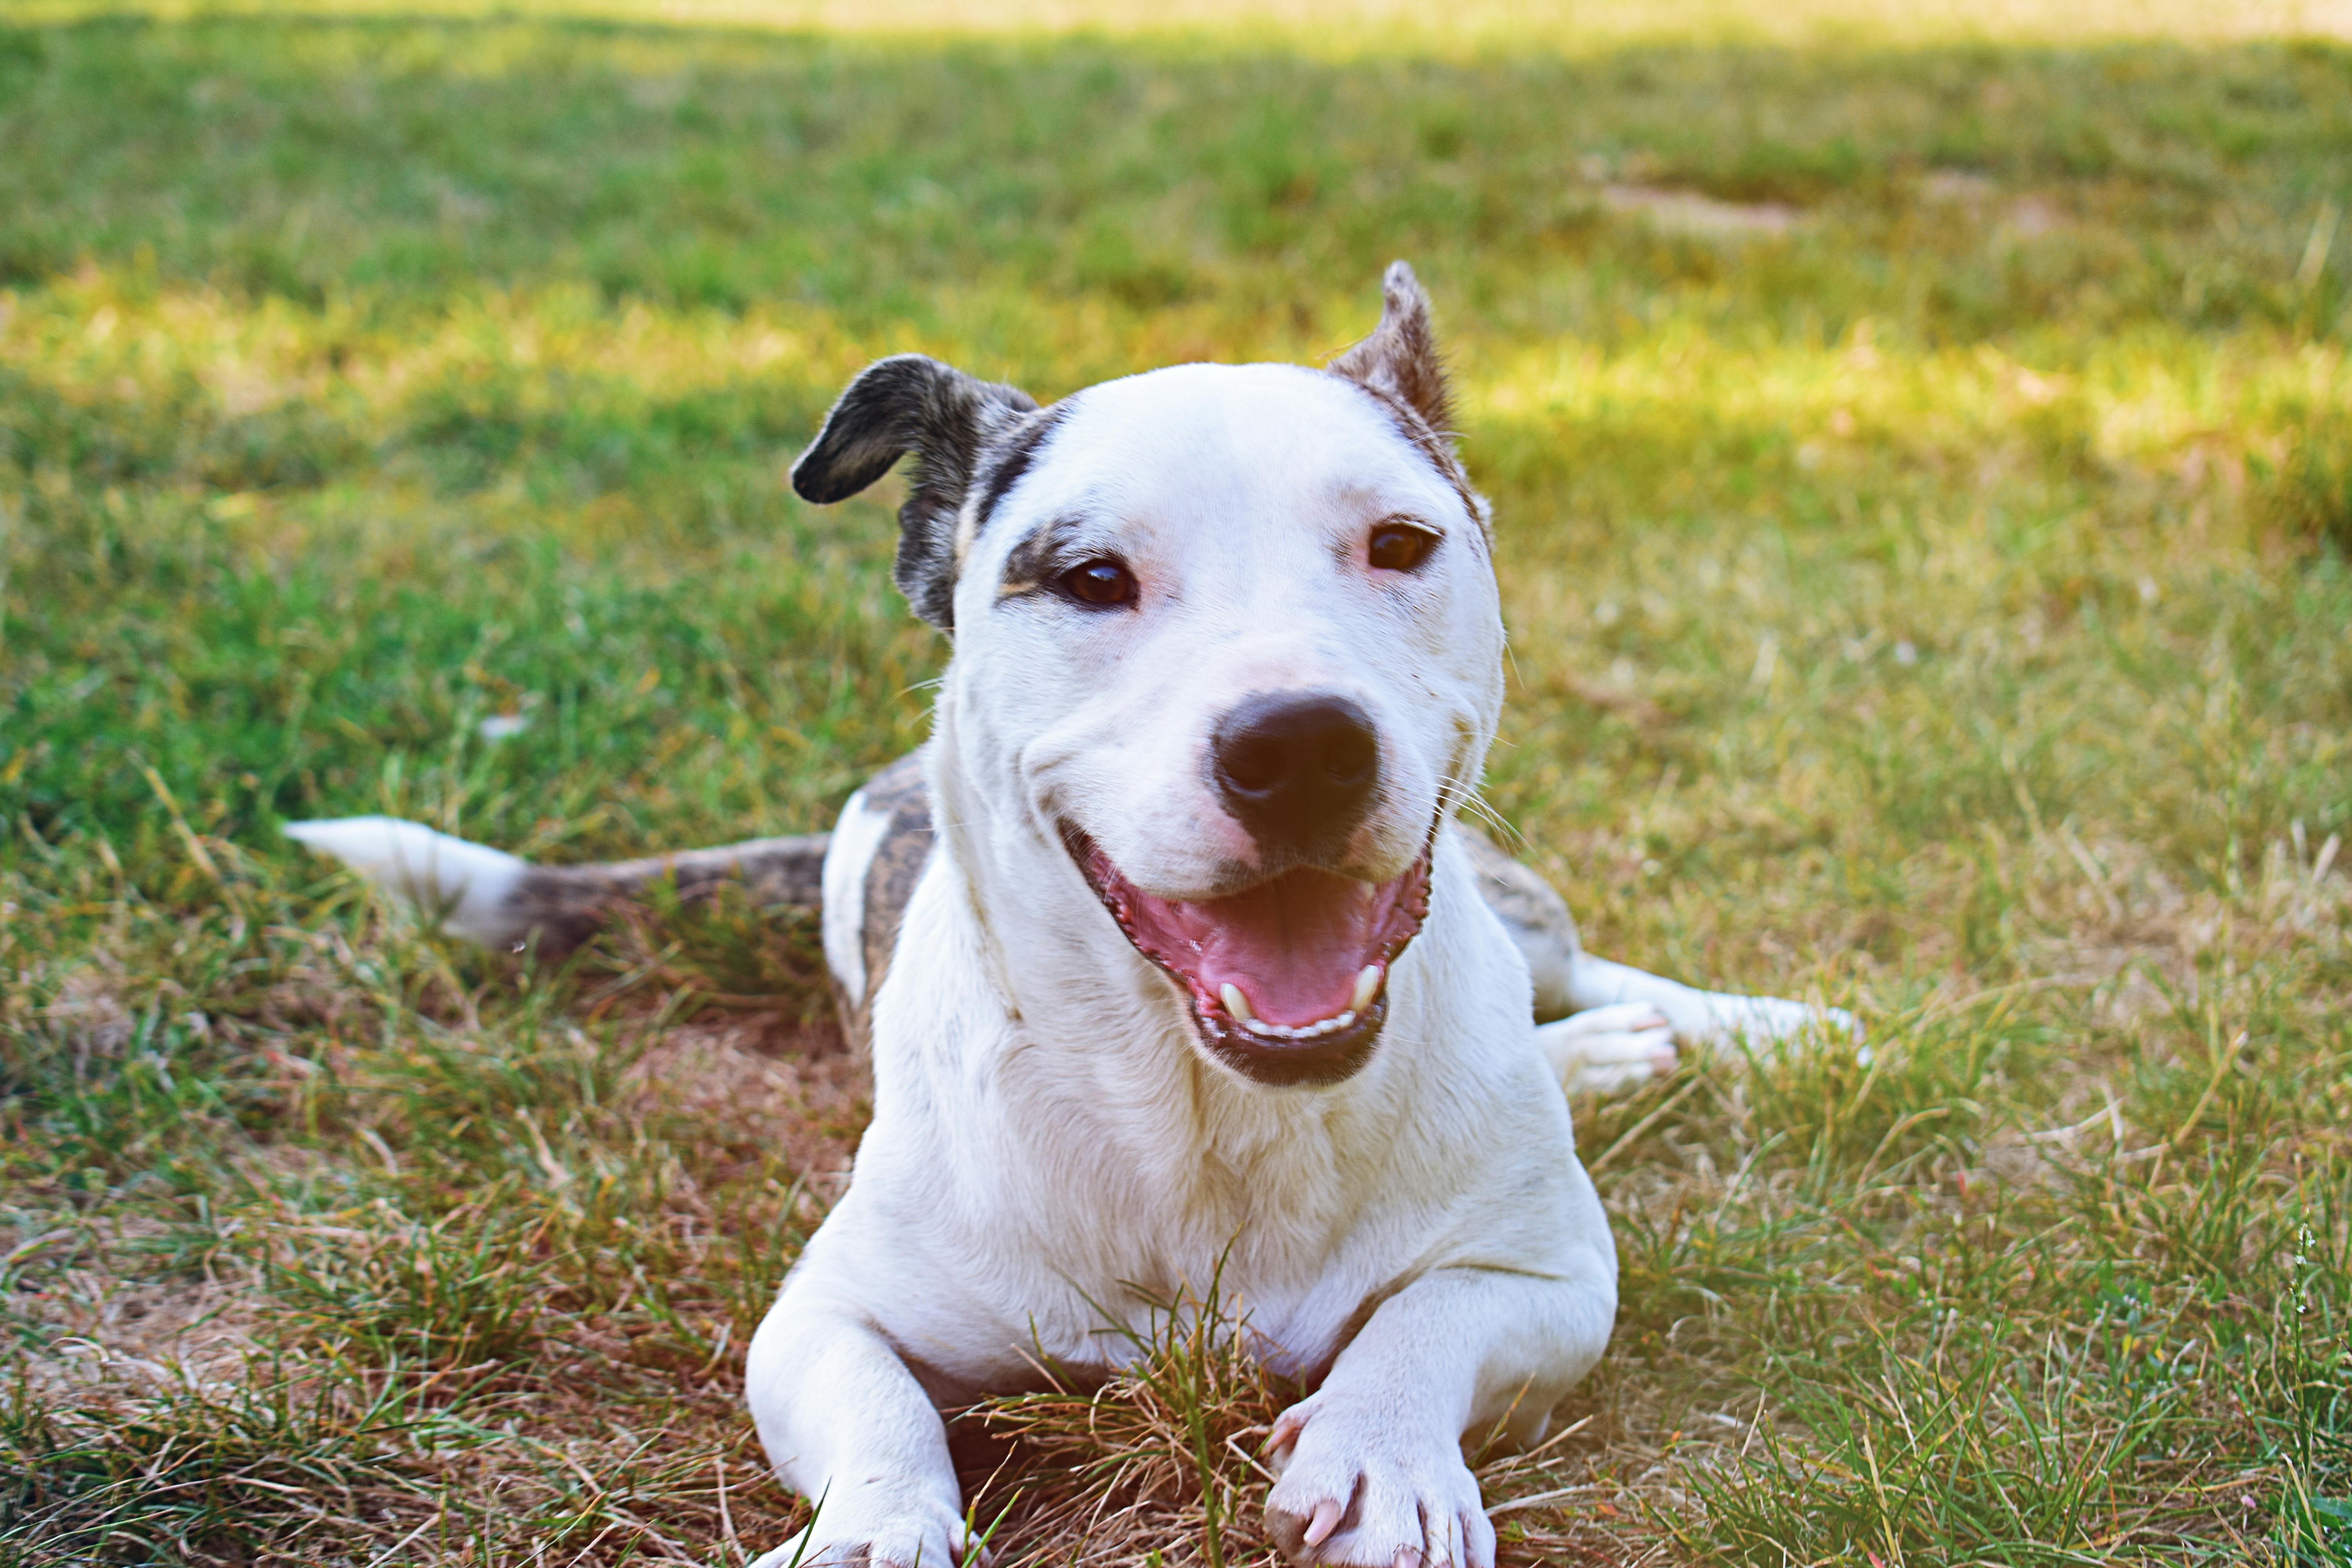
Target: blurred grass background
(1922, 448)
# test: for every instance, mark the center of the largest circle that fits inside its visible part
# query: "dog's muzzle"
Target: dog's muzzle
(1287, 979)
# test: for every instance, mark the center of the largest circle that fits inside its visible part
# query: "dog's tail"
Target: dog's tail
(498, 899)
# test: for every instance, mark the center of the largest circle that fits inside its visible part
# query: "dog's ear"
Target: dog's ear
(909, 403)
(1400, 357)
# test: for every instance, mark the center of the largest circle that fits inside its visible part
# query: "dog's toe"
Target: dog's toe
(1354, 1491)
(926, 1539)
(1622, 1077)
(1608, 1050)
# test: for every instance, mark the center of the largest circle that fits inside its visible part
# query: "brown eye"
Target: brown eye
(1102, 582)
(1400, 547)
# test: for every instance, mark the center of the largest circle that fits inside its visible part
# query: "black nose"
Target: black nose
(1297, 769)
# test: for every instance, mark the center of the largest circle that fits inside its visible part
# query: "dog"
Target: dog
(1173, 959)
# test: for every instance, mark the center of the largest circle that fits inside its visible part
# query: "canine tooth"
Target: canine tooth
(1236, 1003)
(1368, 985)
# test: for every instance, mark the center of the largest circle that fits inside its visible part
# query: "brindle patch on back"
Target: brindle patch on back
(900, 793)
(1535, 914)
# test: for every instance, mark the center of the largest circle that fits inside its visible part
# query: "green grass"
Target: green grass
(1935, 594)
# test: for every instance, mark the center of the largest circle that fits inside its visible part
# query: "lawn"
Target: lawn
(1921, 443)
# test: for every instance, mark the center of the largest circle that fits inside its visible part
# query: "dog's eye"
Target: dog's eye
(1399, 546)
(1101, 582)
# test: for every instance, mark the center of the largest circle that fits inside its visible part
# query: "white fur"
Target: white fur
(1713, 1018)
(1050, 1146)
(1604, 1050)
(465, 884)
(848, 856)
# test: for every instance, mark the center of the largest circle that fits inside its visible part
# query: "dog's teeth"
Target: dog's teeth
(1316, 1030)
(1368, 985)
(1236, 1003)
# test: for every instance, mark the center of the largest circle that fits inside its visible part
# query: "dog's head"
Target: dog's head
(1226, 637)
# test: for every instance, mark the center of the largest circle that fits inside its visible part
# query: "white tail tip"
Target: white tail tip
(467, 885)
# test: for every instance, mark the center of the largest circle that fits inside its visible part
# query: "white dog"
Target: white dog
(1174, 962)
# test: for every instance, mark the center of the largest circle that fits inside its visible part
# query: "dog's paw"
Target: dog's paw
(1355, 1489)
(1766, 1023)
(1611, 1049)
(872, 1533)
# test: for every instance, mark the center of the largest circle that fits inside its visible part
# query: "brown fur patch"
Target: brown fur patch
(1535, 914)
(900, 792)
(566, 905)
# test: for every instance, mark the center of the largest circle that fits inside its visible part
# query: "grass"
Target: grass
(1930, 561)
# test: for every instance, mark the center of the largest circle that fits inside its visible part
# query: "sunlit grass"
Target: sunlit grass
(1354, 28)
(1924, 483)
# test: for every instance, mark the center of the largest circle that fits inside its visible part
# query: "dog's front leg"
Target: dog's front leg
(846, 1423)
(1372, 1472)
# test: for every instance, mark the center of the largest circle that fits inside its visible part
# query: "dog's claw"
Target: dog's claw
(1360, 1490)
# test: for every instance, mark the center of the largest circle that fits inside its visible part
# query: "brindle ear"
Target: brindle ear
(1400, 358)
(909, 403)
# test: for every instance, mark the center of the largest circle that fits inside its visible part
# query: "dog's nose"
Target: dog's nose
(1297, 769)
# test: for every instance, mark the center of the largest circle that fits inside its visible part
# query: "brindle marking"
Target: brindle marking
(563, 906)
(1535, 914)
(951, 423)
(900, 793)
(566, 905)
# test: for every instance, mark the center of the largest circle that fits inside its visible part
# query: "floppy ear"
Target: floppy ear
(909, 403)
(1400, 359)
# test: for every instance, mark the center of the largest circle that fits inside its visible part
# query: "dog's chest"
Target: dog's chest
(1274, 1221)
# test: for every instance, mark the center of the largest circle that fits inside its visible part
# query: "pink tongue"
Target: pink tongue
(1294, 945)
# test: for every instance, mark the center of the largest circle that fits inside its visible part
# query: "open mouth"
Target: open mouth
(1289, 980)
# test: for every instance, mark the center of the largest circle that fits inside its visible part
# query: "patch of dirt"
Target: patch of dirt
(1959, 187)
(798, 1090)
(98, 1315)
(1688, 212)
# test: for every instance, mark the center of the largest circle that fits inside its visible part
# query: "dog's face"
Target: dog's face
(1227, 637)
